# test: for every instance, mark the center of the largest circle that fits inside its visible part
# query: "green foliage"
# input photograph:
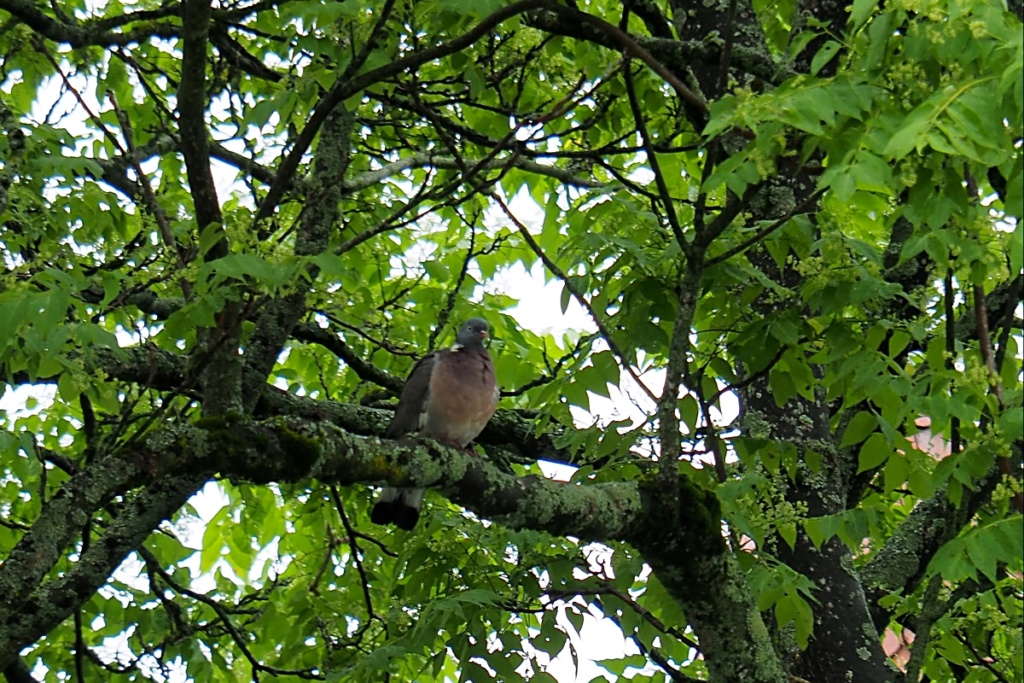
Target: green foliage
(906, 124)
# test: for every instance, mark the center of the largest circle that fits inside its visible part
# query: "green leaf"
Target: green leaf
(565, 298)
(787, 532)
(821, 529)
(874, 453)
(437, 270)
(93, 335)
(860, 11)
(689, 411)
(792, 609)
(824, 56)
(908, 118)
(859, 428)
(984, 553)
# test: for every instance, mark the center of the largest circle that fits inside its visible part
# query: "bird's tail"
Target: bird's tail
(398, 506)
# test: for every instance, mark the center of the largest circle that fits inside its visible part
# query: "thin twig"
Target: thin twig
(763, 232)
(14, 526)
(711, 431)
(751, 378)
(1008, 322)
(453, 293)
(356, 553)
(142, 183)
(652, 158)
(954, 422)
(332, 543)
(560, 274)
(995, 384)
(982, 659)
(147, 191)
(640, 610)
(631, 47)
(661, 660)
(342, 89)
(730, 36)
(225, 618)
(985, 342)
(553, 370)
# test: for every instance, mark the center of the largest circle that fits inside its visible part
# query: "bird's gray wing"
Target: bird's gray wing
(401, 506)
(412, 404)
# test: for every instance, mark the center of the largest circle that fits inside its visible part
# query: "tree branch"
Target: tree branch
(342, 90)
(28, 13)
(23, 622)
(283, 450)
(193, 136)
(154, 368)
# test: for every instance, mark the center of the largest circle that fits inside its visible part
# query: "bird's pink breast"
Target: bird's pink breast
(462, 398)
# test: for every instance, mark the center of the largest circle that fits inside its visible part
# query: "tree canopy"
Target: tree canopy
(230, 229)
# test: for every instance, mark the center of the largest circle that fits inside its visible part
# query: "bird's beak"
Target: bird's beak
(483, 334)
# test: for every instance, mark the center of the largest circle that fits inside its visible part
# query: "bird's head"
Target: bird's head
(472, 334)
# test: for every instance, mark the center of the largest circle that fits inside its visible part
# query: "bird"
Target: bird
(450, 396)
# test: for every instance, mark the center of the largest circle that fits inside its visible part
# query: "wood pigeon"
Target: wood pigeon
(449, 396)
